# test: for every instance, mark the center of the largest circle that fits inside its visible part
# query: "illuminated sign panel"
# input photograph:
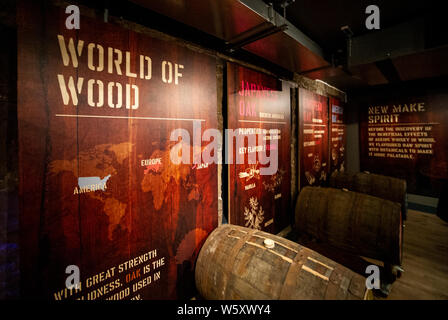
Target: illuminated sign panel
(259, 117)
(98, 188)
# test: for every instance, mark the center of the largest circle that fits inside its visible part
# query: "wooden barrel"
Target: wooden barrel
(241, 263)
(341, 180)
(355, 222)
(376, 185)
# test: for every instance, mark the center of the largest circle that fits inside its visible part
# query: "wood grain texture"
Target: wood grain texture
(167, 207)
(251, 97)
(338, 136)
(425, 259)
(234, 263)
(314, 161)
(424, 172)
(376, 185)
(355, 222)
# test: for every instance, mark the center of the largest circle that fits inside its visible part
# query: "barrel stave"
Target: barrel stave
(355, 222)
(235, 264)
(385, 187)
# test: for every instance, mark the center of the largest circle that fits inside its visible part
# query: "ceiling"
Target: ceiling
(402, 60)
(228, 19)
(322, 19)
(411, 44)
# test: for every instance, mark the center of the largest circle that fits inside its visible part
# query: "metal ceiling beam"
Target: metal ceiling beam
(267, 12)
(252, 37)
(388, 70)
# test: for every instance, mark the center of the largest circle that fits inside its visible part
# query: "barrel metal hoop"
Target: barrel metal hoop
(291, 275)
(232, 255)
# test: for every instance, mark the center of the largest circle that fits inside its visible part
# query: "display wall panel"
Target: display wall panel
(98, 188)
(405, 135)
(313, 139)
(259, 108)
(338, 136)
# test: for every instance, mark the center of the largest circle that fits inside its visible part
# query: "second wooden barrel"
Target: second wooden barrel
(241, 263)
(355, 222)
(384, 187)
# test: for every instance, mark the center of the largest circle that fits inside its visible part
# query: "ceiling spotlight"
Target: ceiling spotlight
(286, 3)
(347, 31)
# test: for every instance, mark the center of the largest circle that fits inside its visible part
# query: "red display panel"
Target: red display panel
(338, 136)
(313, 138)
(98, 188)
(407, 137)
(259, 109)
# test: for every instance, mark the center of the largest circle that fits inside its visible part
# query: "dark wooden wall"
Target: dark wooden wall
(424, 172)
(52, 151)
(9, 183)
(313, 139)
(169, 208)
(251, 93)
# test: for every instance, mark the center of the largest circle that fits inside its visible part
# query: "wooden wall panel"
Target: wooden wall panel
(338, 136)
(97, 186)
(258, 103)
(313, 139)
(404, 134)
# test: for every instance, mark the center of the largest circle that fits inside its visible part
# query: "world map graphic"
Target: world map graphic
(105, 161)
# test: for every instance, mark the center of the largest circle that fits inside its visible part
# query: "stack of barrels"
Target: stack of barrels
(241, 263)
(376, 185)
(361, 214)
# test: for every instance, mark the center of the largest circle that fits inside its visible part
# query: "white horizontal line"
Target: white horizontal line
(314, 124)
(259, 121)
(314, 272)
(123, 117)
(321, 263)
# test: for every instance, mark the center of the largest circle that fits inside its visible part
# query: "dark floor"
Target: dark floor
(425, 259)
